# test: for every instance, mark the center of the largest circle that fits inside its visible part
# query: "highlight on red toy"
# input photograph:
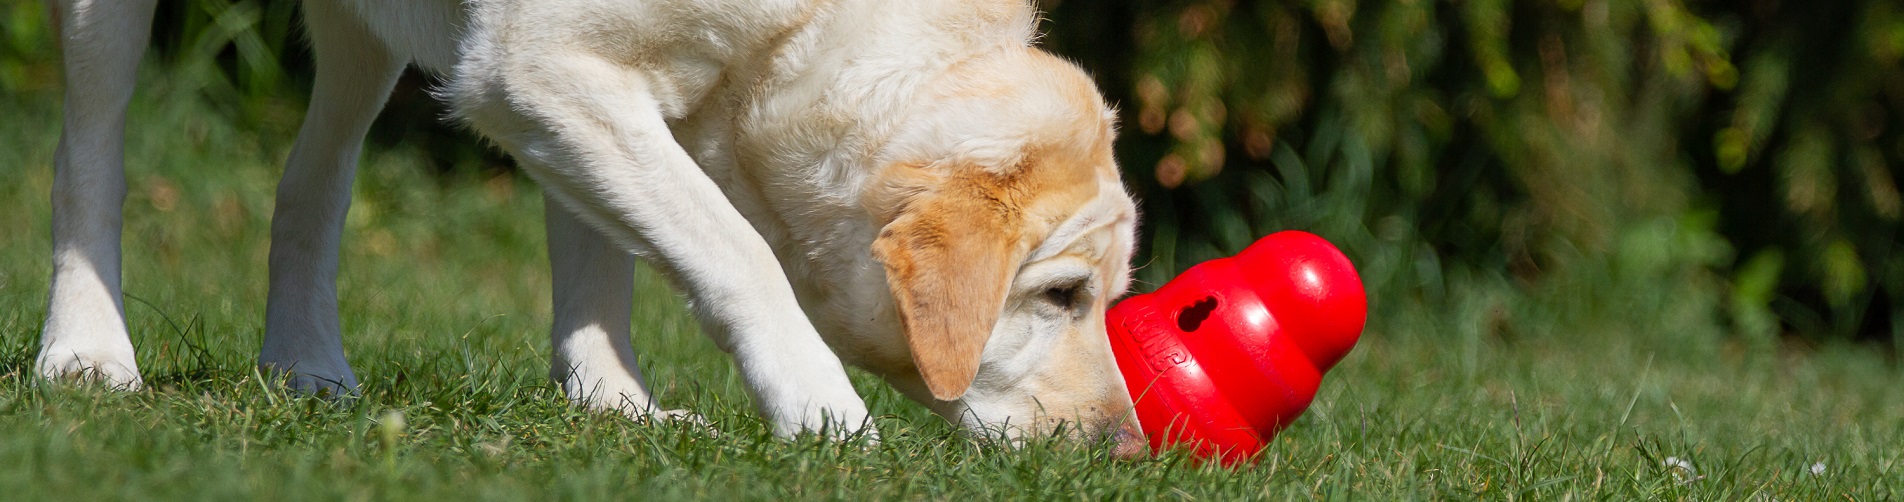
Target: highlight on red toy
(1228, 353)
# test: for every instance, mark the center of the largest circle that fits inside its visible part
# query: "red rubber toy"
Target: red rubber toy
(1227, 354)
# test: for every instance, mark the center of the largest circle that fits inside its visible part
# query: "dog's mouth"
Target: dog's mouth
(1121, 432)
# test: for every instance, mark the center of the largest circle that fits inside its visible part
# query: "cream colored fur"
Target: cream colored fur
(794, 166)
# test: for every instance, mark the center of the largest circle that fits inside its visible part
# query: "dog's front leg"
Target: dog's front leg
(592, 133)
(85, 335)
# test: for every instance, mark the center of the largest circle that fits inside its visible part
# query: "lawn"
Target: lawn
(445, 308)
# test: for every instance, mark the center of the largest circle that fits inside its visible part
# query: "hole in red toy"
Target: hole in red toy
(1192, 316)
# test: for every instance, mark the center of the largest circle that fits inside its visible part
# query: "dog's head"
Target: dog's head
(1007, 231)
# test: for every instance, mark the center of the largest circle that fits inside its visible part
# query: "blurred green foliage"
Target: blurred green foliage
(1687, 168)
(1653, 164)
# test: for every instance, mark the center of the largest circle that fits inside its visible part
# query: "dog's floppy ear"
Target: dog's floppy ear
(949, 256)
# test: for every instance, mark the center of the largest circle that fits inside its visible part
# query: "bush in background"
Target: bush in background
(1660, 165)
(1671, 167)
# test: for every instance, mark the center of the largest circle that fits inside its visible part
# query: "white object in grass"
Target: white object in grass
(1682, 470)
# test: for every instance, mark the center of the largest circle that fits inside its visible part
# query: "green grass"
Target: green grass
(445, 308)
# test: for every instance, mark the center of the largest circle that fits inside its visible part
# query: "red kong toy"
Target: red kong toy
(1230, 352)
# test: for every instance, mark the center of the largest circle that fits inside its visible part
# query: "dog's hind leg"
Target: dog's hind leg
(592, 289)
(85, 333)
(355, 72)
(593, 286)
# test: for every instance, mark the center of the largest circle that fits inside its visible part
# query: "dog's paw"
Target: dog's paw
(110, 366)
(841, 421)
(649, 415)
(329, 385)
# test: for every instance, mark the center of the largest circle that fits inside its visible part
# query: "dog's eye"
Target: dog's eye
(1063, 296)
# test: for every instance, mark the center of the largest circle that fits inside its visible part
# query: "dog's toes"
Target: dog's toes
(335, 386)
(107, 367)
(842, 424)
(641, 410)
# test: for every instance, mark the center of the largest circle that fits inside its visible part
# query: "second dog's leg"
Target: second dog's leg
(354, 75)
(592, 289)
(85, 331)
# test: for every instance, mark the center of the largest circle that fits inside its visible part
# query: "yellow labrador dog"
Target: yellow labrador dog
(906, 186)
